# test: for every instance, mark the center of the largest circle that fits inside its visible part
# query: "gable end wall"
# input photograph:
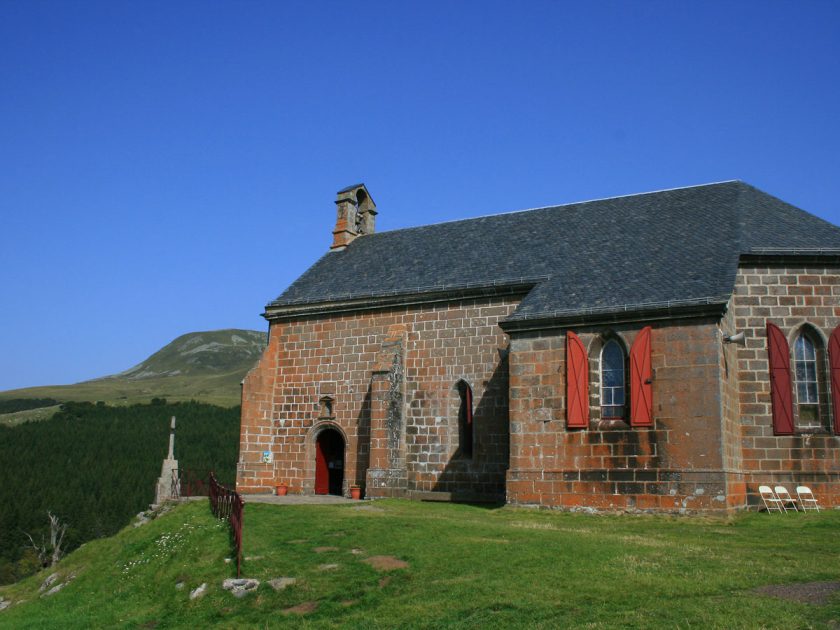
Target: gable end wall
(788, 296)
(442, 343)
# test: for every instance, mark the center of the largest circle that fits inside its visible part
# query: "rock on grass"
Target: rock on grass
(240, 586)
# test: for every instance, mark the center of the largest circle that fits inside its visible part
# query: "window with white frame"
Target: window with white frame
(613, 381)
(806, 372)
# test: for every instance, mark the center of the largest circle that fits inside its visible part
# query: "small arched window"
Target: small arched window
(613, 381)
(807, 374)
(465, 420)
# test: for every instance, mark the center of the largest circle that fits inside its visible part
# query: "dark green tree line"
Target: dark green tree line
(96, 466)
(23, 404)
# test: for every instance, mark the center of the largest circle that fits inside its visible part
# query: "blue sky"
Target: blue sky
(167, 167)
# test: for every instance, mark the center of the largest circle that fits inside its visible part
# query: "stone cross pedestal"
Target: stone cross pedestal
(168, 485)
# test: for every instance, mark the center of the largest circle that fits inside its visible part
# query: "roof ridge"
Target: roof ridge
(562, 205)
(740, 221)
(663, 248)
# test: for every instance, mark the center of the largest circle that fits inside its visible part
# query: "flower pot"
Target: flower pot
(355, 492)
(282, 489)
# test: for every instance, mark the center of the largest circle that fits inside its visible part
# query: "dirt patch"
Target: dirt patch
(386, 563)
(349, 602)
(301, 609)
(807, 593)
(325, 549)
(383, 582)
(278, 584)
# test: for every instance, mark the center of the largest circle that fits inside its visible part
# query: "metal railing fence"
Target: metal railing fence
(227, 504)
(190, 483)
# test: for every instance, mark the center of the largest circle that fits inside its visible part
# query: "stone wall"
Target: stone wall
(675, 466)
(790, 297)
(338, 356)
(711, 444)
(257, 422)
(736, 490)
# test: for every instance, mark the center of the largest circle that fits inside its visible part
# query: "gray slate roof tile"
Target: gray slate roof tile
(675, 246)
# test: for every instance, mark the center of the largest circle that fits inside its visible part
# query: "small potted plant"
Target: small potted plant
(282, 489)
(355, 492)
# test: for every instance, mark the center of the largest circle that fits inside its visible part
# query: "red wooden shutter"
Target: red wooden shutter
(641, 381)
(780, 383)
(577, 383)
(834, 363)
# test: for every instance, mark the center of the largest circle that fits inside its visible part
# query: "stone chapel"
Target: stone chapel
(666, 351)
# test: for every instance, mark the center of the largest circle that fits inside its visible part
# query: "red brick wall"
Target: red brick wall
(256, 431)
(443, 343)
(789, 297)
(675, 466)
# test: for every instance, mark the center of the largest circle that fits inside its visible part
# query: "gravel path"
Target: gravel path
(297, 499)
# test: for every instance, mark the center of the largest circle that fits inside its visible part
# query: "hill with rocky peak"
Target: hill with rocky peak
(205, 366)
(213, 352)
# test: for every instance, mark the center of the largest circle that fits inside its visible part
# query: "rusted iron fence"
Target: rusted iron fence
(227, 504)
(190, 483)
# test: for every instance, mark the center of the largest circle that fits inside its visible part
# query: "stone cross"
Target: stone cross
(168, 485)
(171, 439)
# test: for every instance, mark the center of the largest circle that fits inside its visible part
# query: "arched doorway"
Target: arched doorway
(329, 462)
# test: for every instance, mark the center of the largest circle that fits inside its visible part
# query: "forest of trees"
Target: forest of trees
(24, 404)
(95, 467)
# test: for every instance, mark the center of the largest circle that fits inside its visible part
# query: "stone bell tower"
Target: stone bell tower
(355, 215)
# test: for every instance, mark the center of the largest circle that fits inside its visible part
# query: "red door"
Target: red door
(322, 479)
(329, 462)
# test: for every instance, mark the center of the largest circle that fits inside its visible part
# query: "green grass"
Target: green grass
(469, 567)
(217, 389)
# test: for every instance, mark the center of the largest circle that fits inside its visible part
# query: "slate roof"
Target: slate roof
(654, 250)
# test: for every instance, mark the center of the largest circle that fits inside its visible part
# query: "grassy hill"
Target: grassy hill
(401, 564)
(204, 366)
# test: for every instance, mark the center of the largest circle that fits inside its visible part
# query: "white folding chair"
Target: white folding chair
(807, 499)
(771, 501)
(784, 496)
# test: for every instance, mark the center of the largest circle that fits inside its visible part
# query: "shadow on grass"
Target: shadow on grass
(484, 505)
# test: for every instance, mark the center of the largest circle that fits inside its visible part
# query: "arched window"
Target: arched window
(465, 420)
(809, 379)
(613, 381)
